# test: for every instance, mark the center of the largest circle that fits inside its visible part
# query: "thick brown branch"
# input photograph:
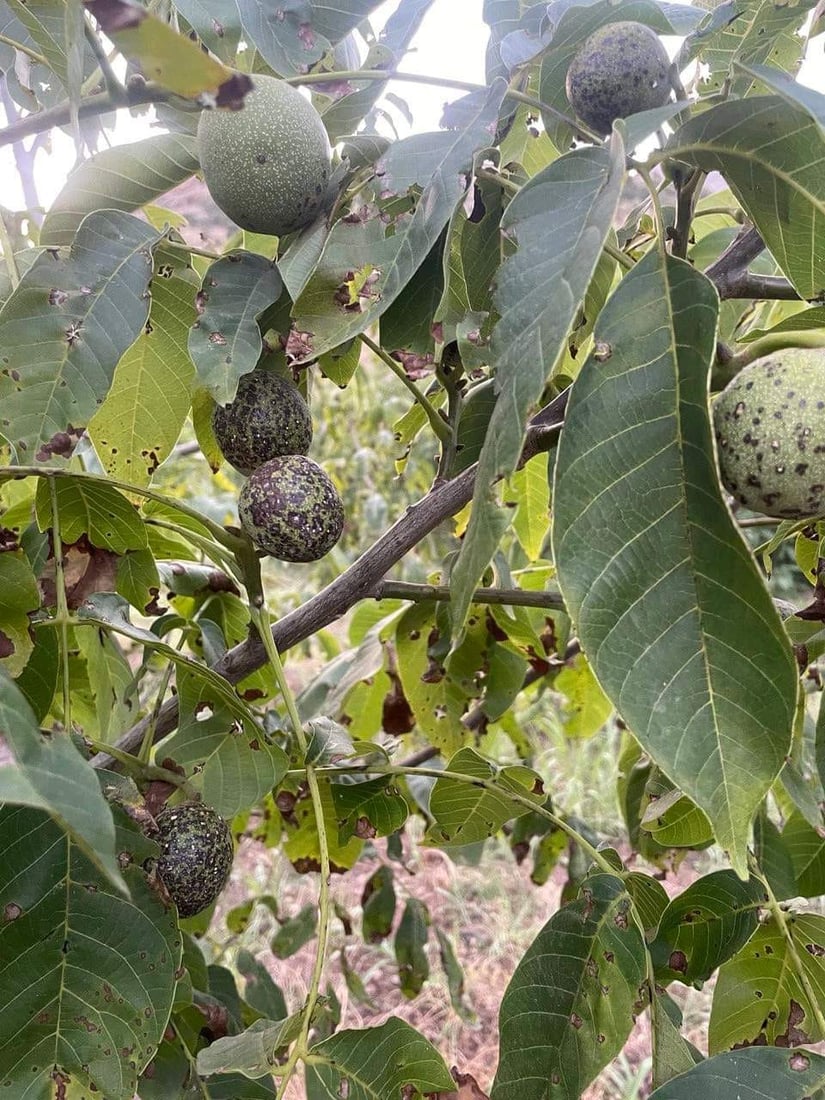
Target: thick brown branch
(730, 275)
(356, 583)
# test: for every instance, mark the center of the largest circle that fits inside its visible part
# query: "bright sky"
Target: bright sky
(451, 43)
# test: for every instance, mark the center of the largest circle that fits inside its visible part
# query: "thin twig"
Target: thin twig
(513, 597)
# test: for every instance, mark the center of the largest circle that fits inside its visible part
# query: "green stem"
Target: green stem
(476, 781)
(439, 426)
(653, 191)
(510, 186)
(261, 621)
(149, 736)
(732, 212)
(62, 609)
(781, 920)
(141, 770)
(767, 345)
(618, 255)
(8, 253)
(113, 85)
(182, 246)
(514, 597)
(27, 50)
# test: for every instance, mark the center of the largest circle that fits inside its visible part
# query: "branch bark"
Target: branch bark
(730, 275)
(356, 583)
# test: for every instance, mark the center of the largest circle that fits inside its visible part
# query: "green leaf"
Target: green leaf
(761, 31)
(216, 22)
(410, 948)
(49, 774)
(650, 899)
(796, 94)
(774, 858)
(807, 851)
(672, 1054)
(587, 708)
(752, 1074)
(90, 507)
(369, 808)
(225, 342)
(361, 1059)
(759, 995)
(87, 974)
(668, 604)
(301, 845)
(294, 38)
(122, 178)
(260, 991)
(38, 679)
(138, 424)
(19, 594)
(377, 905)
(235, 764)
(374, 259)
(64, 329)
(557, 1026)
(454, 974)
(294, 933)
(560, 220)
(670, 818)
(465, 813)
(705, 925)
(254, 1052)
(780, 183)
(530, 489)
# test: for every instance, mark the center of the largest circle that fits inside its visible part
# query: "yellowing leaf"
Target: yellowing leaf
(167, 57)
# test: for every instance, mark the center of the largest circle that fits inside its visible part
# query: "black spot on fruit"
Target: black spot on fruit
(267, 166)
(622, 68)
(195, 855)
(291, 510)
(268, 417)
(764, 471)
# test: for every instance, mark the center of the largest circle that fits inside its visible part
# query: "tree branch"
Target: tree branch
(356, 583)
(98, 104)
(730, 275)
(515, 597)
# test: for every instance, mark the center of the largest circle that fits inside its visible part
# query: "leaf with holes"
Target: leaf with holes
(90, 507)
(705, 925)
(668, 604)
(138, 424)
(750, 1075)
(574, 996)
(225, 341)
(369, 808)
(293, 37)
(64, 329)
(19, 595)
(762, 994)
(88, 975)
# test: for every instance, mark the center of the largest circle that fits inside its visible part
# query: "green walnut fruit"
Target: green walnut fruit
(195, 855)
(291, 510)
(267, 166)
(620, 69)
(770, 432)
(268, 417)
